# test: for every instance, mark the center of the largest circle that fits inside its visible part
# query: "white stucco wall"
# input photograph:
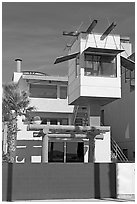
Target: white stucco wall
(51, 105)
(103, 149)
(125, 179)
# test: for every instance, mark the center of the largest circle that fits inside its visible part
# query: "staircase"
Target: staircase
(117, 154)
(80, 116)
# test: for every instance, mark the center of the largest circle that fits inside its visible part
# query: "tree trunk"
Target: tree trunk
(12, 135)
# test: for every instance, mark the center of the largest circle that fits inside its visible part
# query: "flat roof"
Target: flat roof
(45, 78)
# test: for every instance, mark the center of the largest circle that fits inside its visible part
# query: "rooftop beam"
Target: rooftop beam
(92, 26)
(109, 29)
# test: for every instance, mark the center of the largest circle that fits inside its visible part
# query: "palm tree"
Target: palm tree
(15, 103)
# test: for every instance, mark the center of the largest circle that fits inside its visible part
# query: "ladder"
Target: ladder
(80, 116)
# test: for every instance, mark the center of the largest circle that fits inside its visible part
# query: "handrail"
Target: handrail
(118, 151)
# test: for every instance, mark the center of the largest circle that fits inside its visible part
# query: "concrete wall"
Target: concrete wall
(52, 181)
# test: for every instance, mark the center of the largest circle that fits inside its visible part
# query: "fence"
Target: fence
(53, 181)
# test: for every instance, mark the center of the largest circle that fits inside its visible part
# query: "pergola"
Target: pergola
(66, 132)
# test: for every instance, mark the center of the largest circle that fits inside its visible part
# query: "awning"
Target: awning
(66, 58)
(95, 50)
(127, 63)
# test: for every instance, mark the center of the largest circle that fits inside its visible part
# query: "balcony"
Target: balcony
(51, 105)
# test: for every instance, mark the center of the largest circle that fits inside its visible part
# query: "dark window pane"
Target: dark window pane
(43, 91)
(75, 152)
(63, 92)
(53, 121)
(56, 152)
(44, 120)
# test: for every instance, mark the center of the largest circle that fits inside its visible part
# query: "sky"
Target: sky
(32, 31)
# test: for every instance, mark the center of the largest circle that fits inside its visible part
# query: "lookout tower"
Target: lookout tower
(94, 76)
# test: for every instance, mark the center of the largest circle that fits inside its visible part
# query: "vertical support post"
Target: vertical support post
(45, 149)
(58, 122)
(65, 148)
(58, 91)
(70, 119)
(91, 155)
(45, 145)
(86, 151)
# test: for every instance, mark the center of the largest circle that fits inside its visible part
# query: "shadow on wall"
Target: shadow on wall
(105, 180)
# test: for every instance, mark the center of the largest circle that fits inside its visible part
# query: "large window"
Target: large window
(100, 65)
(66, 151)
(43, 91)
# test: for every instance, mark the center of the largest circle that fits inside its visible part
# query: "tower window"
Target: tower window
(100, 65)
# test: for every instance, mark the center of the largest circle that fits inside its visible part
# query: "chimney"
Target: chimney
(18, 64)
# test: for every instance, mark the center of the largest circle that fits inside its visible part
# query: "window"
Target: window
(56, 152)
(64, 121)
(100, 65)
(43, 91)
(44, 120)
(75, 152)
(59, 151)
(63, 92)
(53, 121)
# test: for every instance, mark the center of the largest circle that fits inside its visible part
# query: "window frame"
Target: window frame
(92, 61)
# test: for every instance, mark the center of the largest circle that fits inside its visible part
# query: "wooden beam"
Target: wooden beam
(92, 26)
(69, 128)
(109, 29)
